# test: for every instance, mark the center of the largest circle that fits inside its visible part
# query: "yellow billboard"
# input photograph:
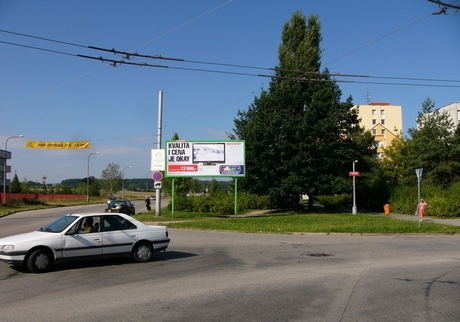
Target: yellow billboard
(58, 145)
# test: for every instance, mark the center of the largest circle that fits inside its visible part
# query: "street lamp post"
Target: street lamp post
(147, 182)
(4, 164)
(87, 178)
(123, 182)
(354, 210)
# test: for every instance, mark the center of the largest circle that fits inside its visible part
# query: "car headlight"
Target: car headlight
(7, 248)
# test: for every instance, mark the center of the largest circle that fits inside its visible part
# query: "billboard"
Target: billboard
(58, 145)
(205, 158)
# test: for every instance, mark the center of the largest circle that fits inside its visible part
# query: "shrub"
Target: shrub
(334, 202)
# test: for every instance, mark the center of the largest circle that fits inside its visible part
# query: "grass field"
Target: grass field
(288, 223)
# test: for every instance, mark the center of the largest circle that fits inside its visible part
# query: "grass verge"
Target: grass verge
(287, 223)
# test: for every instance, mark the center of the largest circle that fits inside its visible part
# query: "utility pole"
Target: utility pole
(158, 190)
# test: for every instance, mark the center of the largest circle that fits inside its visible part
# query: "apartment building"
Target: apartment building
(4, 169)
(383, 120)
(453, 110)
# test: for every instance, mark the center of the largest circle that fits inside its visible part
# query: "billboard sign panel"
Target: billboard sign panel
(157, 160)
(58, 145)
(205, 158)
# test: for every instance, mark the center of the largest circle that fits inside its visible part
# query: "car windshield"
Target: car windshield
(117, 203)
(59, 225)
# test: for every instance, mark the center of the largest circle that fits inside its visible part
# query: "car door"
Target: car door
(77, 243)
(119, 234)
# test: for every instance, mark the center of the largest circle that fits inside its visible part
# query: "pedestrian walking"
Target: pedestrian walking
(421, 208)
(147, 203)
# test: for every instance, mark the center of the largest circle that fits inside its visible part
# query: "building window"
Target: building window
(383, 131)
(382, 112)
(374, 131)
(383, 121)
(373, 112)
(374, 121)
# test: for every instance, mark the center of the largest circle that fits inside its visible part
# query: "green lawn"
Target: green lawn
(289, 223)
(275, 223)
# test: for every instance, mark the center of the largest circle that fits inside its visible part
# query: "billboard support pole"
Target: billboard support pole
(172, 198)
(236, 196)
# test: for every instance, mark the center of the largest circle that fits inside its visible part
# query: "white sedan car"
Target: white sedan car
(88, 235)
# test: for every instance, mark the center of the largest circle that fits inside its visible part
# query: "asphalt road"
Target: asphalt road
(216, 276)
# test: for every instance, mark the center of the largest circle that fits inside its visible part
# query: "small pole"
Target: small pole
(236, 196)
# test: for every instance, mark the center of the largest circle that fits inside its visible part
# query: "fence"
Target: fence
(36, 196)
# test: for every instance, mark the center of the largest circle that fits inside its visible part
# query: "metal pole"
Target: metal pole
(158, 191)
(147, 181)
(87, 178)
(123, 182)
(419, 173)
(354, 210)
(4, 164)
(236, 197)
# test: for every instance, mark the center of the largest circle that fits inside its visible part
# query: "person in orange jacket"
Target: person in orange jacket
(386, 209)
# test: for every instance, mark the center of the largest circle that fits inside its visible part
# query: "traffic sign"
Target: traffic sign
(157, 176)
(354, 174)
(157, 185)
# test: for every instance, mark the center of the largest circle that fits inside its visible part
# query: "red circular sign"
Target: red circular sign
(157, 175)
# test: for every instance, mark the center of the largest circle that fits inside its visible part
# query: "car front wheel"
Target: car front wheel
(142, 252)
(39, 261)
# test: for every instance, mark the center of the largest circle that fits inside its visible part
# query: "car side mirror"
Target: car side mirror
(71, 231)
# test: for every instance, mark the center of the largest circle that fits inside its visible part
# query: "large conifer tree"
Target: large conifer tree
(300, 139)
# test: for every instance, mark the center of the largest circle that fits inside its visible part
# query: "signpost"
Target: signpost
(354, 174)
(419, 173)
(157, 176)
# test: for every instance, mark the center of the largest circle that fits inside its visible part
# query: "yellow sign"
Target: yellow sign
(58, 145)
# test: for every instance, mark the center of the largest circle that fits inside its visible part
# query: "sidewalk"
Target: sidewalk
(450, 221)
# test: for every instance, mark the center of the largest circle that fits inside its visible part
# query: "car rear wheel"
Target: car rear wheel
(142, 252)
(39, 261)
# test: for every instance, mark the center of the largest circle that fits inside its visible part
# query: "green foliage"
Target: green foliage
(24, 186)
(64, 189)
(94, 189)
(442, 202)
(334, 202)
(15, 186)
(80, 189)
(298, 133)
(433, 146)
(219, 203)
(111, 179)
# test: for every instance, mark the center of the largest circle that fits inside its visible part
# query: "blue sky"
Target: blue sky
(58, 96)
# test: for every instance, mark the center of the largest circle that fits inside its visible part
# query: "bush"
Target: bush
(222, 203)
(333, 203)
(442, 202)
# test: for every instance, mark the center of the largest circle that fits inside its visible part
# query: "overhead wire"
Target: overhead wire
(301, 73)
(130, 55)
(97, 69)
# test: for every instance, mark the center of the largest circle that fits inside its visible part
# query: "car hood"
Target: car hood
(28, 237)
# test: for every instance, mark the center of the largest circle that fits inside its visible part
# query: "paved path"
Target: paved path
(450, 221)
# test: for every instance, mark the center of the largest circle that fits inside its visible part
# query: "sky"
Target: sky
(49, 92)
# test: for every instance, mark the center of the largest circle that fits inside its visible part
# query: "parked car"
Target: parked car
(110, 199)
(121, 206)
(83, 236)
